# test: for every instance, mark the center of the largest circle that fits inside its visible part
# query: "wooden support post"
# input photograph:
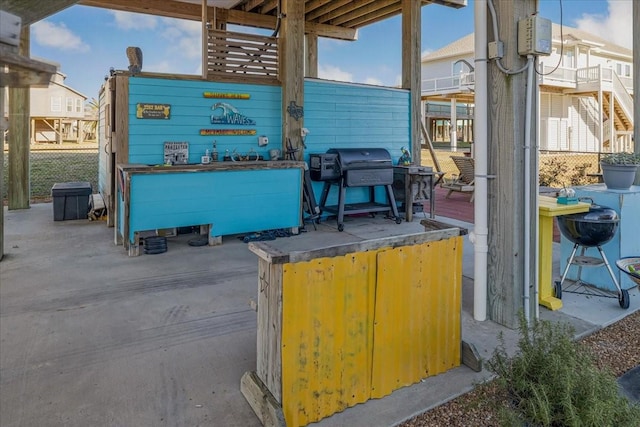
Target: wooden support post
(80, 136)
(265, 406)
(292, 74)
(58, 125)
(470, 356)
(411, 69)
(311, 64)
(18, 191)
(506, 136)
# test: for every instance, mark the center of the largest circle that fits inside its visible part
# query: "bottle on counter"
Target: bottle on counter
(214, 153)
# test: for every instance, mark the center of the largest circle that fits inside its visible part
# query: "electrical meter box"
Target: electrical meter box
(534, 36)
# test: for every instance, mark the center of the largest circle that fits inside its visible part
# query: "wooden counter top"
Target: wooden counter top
(218, 166)
(549, 206)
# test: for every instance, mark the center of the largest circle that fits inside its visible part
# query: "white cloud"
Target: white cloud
(616, 27)
(185, 37)
(330, 72)
(134, 21)
(183, 26)
(57, 36)
(373, 81)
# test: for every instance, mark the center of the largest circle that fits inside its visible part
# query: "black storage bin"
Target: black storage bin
(70, 200)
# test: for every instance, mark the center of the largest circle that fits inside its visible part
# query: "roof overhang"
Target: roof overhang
(327, 18)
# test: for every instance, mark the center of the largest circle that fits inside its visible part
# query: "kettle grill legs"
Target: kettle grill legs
(584, 261)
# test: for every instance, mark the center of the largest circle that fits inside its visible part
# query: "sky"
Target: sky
(87, 41)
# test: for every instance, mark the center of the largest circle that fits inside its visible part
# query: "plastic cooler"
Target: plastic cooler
(70, 200)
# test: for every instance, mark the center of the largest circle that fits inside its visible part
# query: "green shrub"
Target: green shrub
(553, 381)
(552, 171)
(621, 159)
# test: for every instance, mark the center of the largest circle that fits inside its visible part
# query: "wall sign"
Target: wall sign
(229, 115)
(223, 132)
(226, 95)
(153, 111)
(295, 110)
(176, 153)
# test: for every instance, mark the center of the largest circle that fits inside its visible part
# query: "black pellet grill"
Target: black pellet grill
(355, 167)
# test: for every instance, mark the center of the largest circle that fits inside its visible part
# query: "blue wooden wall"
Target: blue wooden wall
(340, 115)
(232, 202)
(337, 115)
(191, 111)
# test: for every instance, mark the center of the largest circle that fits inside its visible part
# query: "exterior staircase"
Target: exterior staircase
(594, 80)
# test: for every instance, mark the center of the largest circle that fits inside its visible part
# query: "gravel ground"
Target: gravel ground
(616, 347)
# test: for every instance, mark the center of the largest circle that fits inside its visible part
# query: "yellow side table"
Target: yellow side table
(548, 207)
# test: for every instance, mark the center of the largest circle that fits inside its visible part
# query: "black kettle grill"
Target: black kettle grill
(590, 229)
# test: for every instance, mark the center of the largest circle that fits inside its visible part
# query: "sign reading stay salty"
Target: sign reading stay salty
(153, 111)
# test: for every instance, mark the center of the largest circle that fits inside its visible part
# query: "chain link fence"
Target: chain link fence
(557, 168)
(50, 165)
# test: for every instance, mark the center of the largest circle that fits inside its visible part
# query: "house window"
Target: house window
(69, 105)
(456, 68)
(623, 70)
(56, 104)
(78, 105)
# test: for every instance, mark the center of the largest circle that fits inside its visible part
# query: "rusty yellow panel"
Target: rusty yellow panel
(417, 314)
(327, 335)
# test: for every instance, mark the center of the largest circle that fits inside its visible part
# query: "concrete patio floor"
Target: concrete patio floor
(91, 337)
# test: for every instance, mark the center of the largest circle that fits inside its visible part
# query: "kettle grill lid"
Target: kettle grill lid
(596, 213)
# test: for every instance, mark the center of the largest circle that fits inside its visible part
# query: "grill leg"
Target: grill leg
(582, 250)
(569, 261)
(392, 202)
(606, 263)
(325, 194)
(341, 200)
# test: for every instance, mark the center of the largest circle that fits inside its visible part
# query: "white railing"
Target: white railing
(623, 97)
(563, 75)
(589, 74)
(463, 81)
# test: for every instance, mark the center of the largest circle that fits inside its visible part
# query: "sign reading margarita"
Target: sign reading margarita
(226, 95)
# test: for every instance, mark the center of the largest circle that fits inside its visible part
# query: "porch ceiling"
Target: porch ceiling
(343, 16)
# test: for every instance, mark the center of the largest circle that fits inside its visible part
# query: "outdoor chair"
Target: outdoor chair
(464, 182)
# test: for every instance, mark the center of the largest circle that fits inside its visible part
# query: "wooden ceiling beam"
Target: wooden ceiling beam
(375, 16)
(268, 6)
(269, 21)
(31, 14)
(167, 8)
(250, 5)
(193, 12)
(331, 31)
(365, 9)
(323, 10)
(23, 71)
(312, 5)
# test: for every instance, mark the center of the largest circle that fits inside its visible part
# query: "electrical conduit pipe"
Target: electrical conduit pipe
(479, 237)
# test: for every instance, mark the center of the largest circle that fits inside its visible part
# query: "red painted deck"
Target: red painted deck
(457, 206)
